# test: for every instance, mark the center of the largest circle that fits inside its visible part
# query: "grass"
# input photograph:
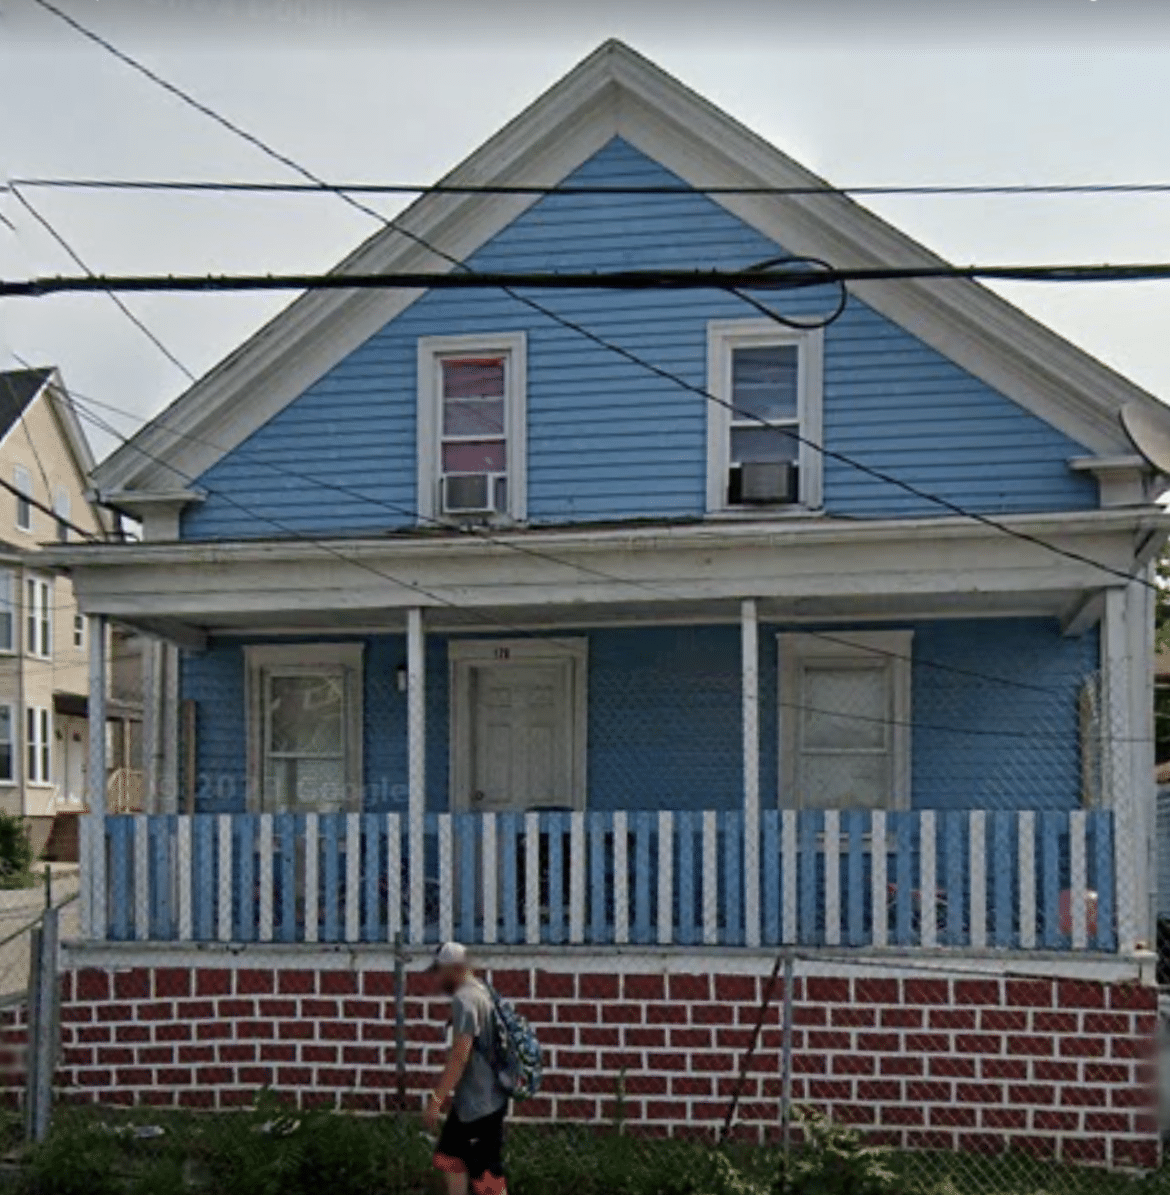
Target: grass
(271, 1150)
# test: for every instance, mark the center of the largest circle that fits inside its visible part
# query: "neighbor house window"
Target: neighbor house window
(38, 612)
(766, 418)
(845, 720)
(7, 745)
(79, 631)
(38, 744)
(7, 610)
(22, 479)
(304, 729)
(471, 428)
(61, 510)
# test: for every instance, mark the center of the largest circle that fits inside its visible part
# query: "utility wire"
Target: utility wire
(736, 281)
(229, 186)
(573, 325)
(114, 298)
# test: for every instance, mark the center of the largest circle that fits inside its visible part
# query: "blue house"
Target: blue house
(640, 621)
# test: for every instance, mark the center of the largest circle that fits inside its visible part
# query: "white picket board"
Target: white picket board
(266, 848)
(621, 879)
(928, 879)
(665, 877)
(223, 908)
(141, 877)
(879, 882)
(710, 878)
(977, 835)
(393, 875)
(353, 877)
(1026, 823)
(312, 885)
(832, 848)
(490, 873)
(532, 878)
(577, 877)
(446, 881)
(788, 858)
(1078, 879)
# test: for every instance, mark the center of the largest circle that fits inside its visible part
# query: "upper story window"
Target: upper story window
(761, 431)
(845, 720)
(61, 510)
(38, 615)
(471, 428)
(7, 610)
(22, 479)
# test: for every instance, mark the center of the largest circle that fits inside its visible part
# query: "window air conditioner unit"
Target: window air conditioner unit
(768, 482)
(473, 493)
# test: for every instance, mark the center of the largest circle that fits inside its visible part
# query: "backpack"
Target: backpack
(518, 1063)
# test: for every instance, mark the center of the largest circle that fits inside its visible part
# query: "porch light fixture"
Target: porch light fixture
(400, 677)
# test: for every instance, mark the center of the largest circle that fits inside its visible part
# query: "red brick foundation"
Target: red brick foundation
(1056, 1067)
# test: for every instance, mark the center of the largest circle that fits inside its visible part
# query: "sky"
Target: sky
(862, 92)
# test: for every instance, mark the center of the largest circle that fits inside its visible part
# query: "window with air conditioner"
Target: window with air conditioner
(765, 421)
(471, 424)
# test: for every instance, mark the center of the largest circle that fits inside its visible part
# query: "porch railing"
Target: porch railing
(976, 880)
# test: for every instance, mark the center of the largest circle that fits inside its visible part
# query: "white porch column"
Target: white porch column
(151, 722)
(169, 787)
(750, 663)
(95, 862)
(416, 753)
(1127, 731)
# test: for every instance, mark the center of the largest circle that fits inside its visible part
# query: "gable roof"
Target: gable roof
(615, 92)
(18, 389)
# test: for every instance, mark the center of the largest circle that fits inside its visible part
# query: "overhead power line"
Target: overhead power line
(797, 278)
(230, 186)
(593, 337)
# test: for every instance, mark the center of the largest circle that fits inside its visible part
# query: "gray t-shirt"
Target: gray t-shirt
(478, 1093)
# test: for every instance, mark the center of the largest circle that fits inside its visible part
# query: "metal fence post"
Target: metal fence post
(400, 1019)
(786, 1059)
(42, 1026)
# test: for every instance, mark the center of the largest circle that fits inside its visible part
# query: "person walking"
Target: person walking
(471, 1143)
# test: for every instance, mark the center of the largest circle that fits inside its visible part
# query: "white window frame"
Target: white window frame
(723, 338)
(13, 744)
(22, 480)
(798, 650)
(301, 659)
(10, 605)
(572, 654)
(38, 617)
(38, 744)
(431, 351)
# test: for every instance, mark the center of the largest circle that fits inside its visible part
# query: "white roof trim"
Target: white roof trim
(617, 92)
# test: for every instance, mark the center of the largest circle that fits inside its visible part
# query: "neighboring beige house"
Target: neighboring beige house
(44, 676)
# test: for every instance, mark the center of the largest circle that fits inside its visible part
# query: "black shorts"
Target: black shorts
(475, 1147)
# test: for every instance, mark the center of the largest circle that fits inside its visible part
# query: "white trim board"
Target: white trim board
(617, 92)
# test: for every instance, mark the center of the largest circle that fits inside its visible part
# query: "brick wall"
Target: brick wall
(1057, 1067)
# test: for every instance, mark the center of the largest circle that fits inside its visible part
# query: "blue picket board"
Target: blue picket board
(371, 919)
(1101, 823)
(906, 823)
(204, 873)
(642, 831)
(684, 870)
(1050, 827)
(770, 861)
(330, 877)
(288, 831)
(119, 830)
(465, 827)
(954, 831)
(809, 821)
(598, 822)
(244, 850)
(856, 823)
(732, 876)
(1004, 867)
(509, 839)
(161, 926)
(553, 831)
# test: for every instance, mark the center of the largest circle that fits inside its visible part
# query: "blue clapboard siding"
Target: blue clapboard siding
(664, 718)
(607, 439)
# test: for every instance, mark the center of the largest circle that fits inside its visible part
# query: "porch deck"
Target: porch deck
(972, 880)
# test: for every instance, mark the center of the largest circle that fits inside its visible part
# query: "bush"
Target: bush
(16, 853)
(833, 1160)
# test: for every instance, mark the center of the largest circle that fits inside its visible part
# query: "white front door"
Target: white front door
(517, 726)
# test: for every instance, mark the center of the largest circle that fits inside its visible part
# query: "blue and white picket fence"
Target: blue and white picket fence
(977, 880)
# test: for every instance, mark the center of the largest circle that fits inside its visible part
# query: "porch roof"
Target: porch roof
(811, 568)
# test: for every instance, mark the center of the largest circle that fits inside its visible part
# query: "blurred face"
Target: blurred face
(449, 978)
